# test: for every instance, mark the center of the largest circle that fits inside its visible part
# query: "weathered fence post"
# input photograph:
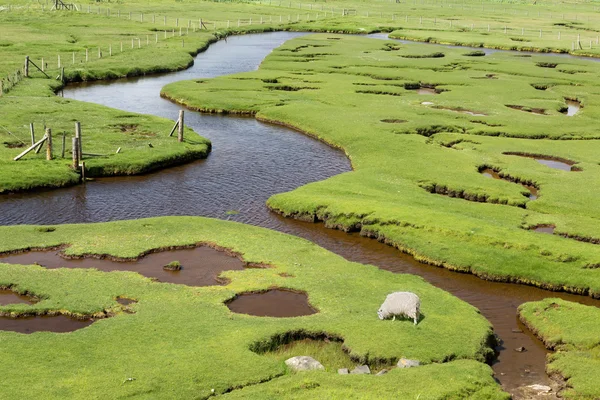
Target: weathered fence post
(75, 153)
(78, 136)
(26, 69)
(32, 132)
(180, 127)
(48, 144)
(64, 139)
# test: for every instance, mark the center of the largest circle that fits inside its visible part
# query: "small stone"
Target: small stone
(540, 388)
(521, 349)
(427, 103)
(361, 369)
(303, 363)
(382, 372)
(406, 363)
(343, 371)
(517, 331)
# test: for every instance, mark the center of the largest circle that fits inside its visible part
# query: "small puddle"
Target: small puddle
(548, 229)
(531, 110)
(490, 173)
(10, 297)
(426, 91)
(43, 323)
(125, 302)
(272, 303)
(552, 162)
(572, 107)
(200, 265)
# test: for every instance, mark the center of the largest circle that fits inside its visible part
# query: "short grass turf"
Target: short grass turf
(182, 342)
(571, 330)
(417, 158)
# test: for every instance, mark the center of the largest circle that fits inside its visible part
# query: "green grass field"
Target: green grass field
(408, 150)
(571, 330)
(182, 341)
(416, 184)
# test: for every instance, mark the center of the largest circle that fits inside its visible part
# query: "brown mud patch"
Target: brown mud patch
(427, 91)
(547, 229)
(280, 303)
(201, 265)
(14, 145)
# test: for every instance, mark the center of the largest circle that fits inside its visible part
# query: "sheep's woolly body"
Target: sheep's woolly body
(400, 304)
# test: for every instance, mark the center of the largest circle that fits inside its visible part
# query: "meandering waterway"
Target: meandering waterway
(250, 162)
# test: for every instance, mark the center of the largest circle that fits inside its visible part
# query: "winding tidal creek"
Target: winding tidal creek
(250, 162)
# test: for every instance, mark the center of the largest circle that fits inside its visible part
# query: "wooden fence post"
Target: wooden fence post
(32, 131)
(48, 144)
(180, 127)
(64, 139)
(75, 153)
(26, 69)
(78, 136)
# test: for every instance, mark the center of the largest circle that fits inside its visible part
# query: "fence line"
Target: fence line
(576, 40)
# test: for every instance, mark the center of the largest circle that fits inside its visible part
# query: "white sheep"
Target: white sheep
(400, 304)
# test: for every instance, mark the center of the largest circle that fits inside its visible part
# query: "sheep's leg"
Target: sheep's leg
(394, 318)
(415, 320)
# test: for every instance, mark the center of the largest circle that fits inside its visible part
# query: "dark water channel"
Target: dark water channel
(250, 162)
(490, 173)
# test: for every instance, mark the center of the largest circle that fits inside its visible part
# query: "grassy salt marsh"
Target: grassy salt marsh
(416, 158)
(571, 330)
(143, 38)
(182, 342)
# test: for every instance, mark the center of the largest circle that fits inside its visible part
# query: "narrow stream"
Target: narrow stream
(250, 162)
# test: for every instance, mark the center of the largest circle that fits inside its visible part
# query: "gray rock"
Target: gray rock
(343, 371)
(361, 369)
(303, 363)
(540, 388)
(406, 363)
(382, 372)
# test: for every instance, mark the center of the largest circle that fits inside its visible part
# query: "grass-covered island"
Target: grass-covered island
(428, 128)
(571, 330)
(179, 341)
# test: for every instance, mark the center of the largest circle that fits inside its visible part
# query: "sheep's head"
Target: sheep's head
(380, 314)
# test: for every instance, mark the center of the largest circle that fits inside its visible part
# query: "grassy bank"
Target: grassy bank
(571, 330)
(183, 341)
(416, 158)
(108, 41)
